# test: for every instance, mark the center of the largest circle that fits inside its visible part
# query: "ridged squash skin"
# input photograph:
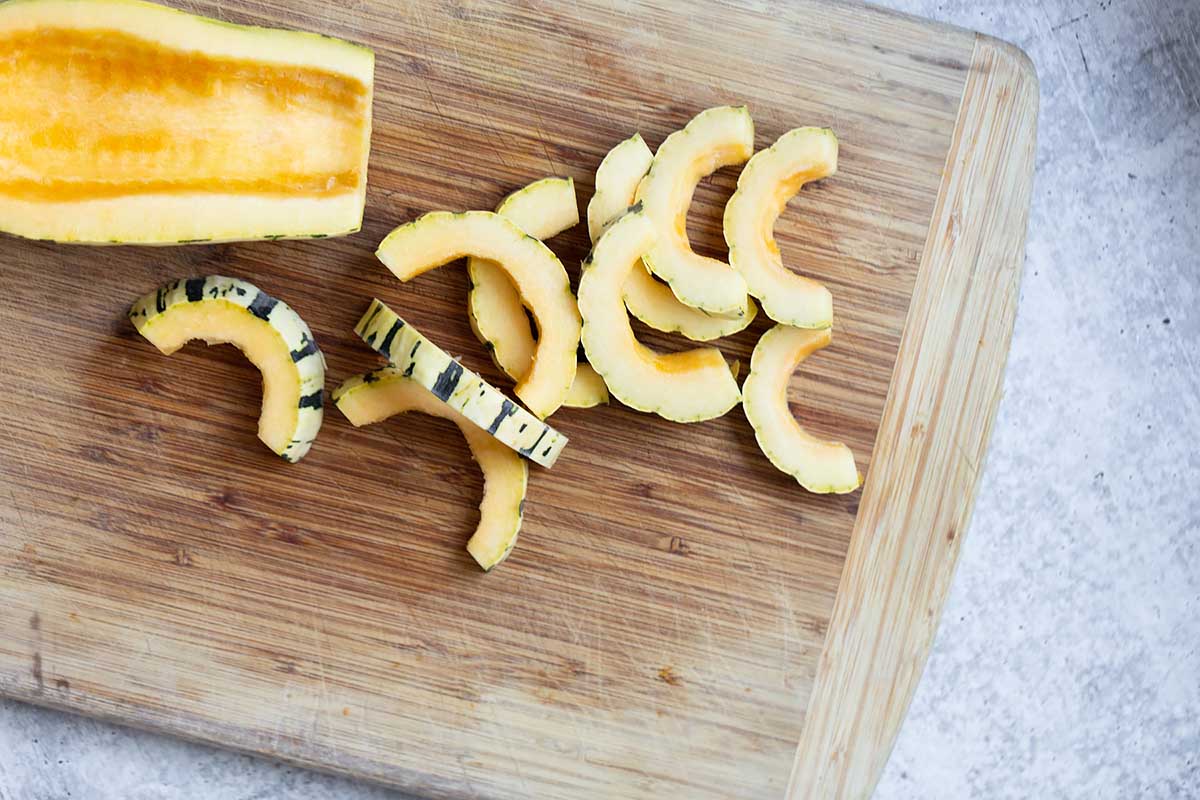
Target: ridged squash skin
(819, 466)
(714, 138)
(543, 209)
(440, 237)
(375, 396)
(220, 310)
(135, 123)
(770, 179)
(688, 386)
(450, 382)
(648, 299)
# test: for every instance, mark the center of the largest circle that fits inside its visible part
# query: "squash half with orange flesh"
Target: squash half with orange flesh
(128, 122)
(377, 395)
(688, 386)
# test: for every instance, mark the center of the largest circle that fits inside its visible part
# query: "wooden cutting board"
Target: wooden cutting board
(678, 616)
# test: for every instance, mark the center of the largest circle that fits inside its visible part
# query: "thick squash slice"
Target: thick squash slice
(818, 466)
(543, 209)
(123, 121)
(271, 335)
(441, 237)
(688, 386)
(375, 396)
(771, 178)
(648, 299)
(713, 139)
(420, 359)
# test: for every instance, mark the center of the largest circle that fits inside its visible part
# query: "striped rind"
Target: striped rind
(283, 320)
(420, 359)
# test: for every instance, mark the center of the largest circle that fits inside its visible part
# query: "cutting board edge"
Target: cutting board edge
(933, 437)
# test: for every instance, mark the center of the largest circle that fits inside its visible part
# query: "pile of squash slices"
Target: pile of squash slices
(641, 264)
(637, 223)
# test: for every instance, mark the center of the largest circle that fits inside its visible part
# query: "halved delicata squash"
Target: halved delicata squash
(129, 122)
(689, 386)
(649, 300)
(543, 209)
(272, 336)
(715, 138)
(771, 178)
(819, 466)
(375, 396)
(441, 237)
(458, 387)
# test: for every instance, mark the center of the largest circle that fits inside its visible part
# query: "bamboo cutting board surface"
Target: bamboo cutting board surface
(675, 605)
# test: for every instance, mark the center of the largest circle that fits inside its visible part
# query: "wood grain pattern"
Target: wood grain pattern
(933, 437)
(658, 629)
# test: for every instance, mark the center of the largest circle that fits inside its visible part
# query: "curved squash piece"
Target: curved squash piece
(440, 237)
(689, 386)
(819, 466)
(375, 396)
(431, 367)
(129, 122)
(543, 209)
(270, 334)
(648, 299)
(773, 177)
(713, 139)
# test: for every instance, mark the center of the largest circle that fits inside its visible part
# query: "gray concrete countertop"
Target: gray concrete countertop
(1066, 665)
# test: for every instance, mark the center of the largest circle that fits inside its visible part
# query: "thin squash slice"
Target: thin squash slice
(269, 333)
(688, 386)
(648, 299)
(715, 138)
(771, 178)
(458, 387)
(128, 122)
(819, 466)
(543, 209)
(440, 237)
(375, 396)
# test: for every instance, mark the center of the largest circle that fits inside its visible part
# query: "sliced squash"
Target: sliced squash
(819, 466)
(648, 299)
(272, 336)
(375, 396)
(130, 122)
(771, 178)
(441, 237)
(688, 386)
(543, 209)
(420, 359)
(718, 137)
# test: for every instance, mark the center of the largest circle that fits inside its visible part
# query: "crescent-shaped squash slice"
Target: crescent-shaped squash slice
(713, 139)
(375, 396)
(771, 178)
(128, 122)
(817, 465)
(440, 237)
(272, 336)
(648, 299)
(431, 367)
(543, 209)
(688, 386)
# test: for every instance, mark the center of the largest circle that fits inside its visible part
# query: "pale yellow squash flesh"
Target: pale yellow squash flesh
(648, 299)
(817, 465)
(440, 237)
(715, 138)
(768, 182)
(371, 398)
(688, 386)
(543, 209)
(123, 121)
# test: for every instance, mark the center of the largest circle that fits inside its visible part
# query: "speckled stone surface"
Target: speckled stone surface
(1067, 663)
